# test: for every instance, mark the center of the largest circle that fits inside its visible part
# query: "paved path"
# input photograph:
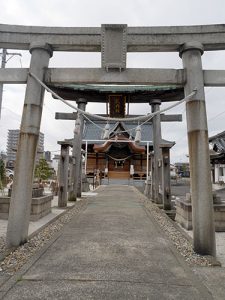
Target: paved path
(112, 250)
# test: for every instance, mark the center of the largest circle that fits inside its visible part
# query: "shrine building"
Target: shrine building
(120, 155)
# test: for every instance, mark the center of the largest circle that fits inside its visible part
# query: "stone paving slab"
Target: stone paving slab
(81, 290)
(113, 250)
(214, 280)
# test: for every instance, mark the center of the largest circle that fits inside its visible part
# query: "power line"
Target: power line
(221, 113)
(3, 64)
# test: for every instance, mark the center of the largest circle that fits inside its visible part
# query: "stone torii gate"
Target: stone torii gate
(113, 41)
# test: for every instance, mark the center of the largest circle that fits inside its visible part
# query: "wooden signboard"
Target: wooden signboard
(117, 106)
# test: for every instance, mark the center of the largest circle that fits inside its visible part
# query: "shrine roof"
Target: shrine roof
(135, 93)
(218, 142)
(218, 135)
(93, 134)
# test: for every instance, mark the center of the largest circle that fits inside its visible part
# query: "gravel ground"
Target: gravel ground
(16, 259)
(183, 245)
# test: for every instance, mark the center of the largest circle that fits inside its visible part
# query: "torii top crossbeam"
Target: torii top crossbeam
(88, 39)
(113, 41)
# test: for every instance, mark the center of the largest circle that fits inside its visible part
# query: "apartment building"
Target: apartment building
(12, 141)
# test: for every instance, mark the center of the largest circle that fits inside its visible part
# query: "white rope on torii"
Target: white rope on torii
(86, 114)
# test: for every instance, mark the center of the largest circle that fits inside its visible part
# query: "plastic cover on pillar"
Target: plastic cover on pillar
(105, 134)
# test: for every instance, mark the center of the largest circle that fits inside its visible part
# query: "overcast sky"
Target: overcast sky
(75, 13)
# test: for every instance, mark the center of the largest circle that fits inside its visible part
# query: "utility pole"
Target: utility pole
(1, 84)
(3, 63)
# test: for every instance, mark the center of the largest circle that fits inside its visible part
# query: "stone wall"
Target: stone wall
(184, 214)
(40, 207)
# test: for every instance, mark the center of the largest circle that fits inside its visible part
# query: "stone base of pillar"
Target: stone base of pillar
(72, 197)
(147, 190)
(171, 214)
(85, 184)
(157, 199)
(159, 205)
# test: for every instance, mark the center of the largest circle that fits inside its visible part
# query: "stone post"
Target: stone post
(166, 187)
(76, 175)
(201, 186)
(20, 204)
(82, 105)
(70, 184)
(86, 155)
(63, 175)
(152, 176)
(72, 195)
(147, 182)
(147, 162)
(156, 180)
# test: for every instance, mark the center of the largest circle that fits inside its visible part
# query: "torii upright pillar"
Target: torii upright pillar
(201, 185)
(20, 203)
(166, 186)
(76, 176)
(82, 105)
(155, 104)
(63, 175)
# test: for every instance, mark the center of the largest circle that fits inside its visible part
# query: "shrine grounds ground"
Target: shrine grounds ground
(113, 249)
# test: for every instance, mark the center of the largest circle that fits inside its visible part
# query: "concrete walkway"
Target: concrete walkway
(112, 250)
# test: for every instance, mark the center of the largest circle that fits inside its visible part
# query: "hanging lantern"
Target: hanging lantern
(106, 132)
(77, 126)
(138, 134)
